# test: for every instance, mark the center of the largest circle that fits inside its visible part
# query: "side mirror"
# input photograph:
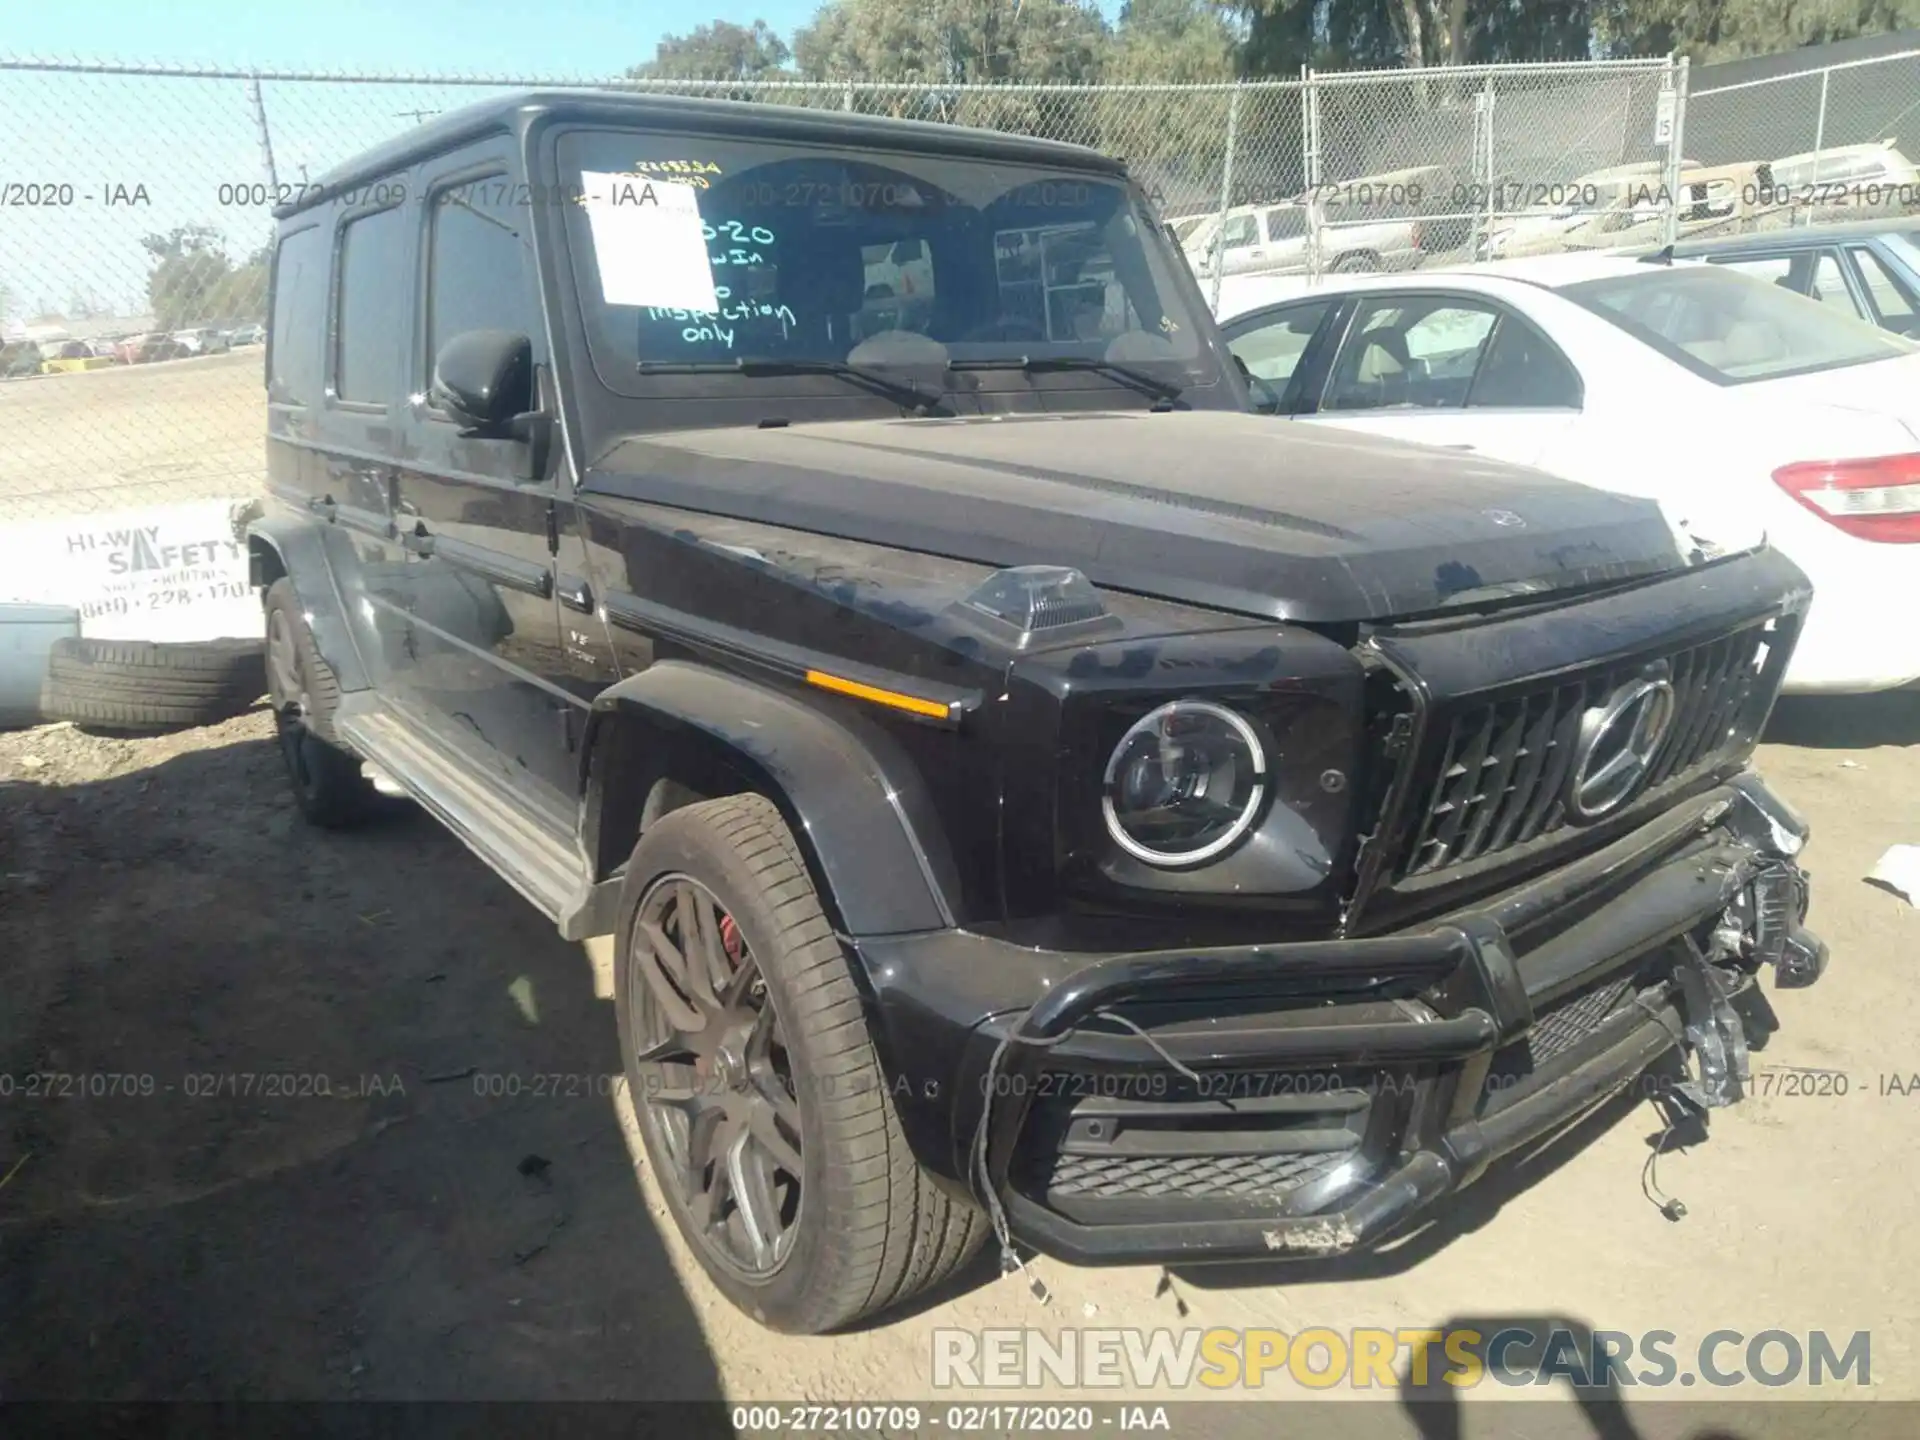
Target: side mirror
(484, 378)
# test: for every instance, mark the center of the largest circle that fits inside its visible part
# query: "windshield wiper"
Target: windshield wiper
(1039, 365)
(901, 391)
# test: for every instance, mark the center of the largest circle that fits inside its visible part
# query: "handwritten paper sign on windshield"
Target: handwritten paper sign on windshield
(648, 240)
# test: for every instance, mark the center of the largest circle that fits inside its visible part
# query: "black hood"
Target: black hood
(1234, 511)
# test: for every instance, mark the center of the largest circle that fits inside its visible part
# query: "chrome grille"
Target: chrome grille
(1503, 765)
(1113, 1177)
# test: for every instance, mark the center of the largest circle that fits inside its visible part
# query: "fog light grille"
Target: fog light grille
(1114, 1177)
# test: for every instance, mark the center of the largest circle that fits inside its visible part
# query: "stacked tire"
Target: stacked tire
(145, 686)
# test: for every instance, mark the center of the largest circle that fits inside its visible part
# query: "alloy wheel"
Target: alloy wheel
(715, 1080)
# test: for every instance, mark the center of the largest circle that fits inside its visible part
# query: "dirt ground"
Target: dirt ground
(129, 435)
(372, 1221)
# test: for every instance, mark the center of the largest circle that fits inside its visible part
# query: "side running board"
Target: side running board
(535, 859)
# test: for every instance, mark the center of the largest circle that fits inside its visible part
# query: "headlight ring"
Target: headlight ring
(1184, 784)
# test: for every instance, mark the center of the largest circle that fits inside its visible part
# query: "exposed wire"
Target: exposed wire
(979, 1169)
(1673, 1209)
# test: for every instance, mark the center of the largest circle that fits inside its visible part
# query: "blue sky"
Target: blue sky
(187, 150)
(494, 36)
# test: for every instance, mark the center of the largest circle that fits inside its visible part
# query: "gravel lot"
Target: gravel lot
(132, 435)
(164, 914)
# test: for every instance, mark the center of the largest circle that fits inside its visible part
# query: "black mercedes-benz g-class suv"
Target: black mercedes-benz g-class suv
(1029, 789)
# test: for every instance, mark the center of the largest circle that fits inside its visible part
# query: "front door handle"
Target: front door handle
(575, 593)
(323, 506)
(417, 541)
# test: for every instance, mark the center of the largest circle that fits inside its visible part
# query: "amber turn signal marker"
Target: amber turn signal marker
(912, 704)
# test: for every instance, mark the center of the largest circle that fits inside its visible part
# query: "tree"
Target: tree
(1174, 142)
(1187, 42)
(927, 44)
(188, 263)
(953, 41)
(718, 51)
(1706, 31)
(194, 282)
(1283, 35)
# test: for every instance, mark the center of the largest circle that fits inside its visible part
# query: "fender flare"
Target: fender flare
(855, 802)
(299, 554)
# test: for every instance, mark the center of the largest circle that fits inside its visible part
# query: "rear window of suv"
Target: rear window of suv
(1733, 329)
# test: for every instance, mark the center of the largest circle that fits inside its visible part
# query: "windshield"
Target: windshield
(1733, 329)
(707, 253)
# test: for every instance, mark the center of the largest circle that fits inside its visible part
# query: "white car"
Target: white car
(1750, 413)
(203, 340)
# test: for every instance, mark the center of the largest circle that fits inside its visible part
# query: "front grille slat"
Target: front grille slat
(1462, 781)
(1538, 744)
(1434, 814)
(1735, 692)
(1504, 755)
(1506, 760)
(1696, 707)
(1545, 810)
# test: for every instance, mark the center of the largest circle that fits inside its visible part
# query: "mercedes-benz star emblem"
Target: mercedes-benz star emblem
(1504, 518)
(1618, 741)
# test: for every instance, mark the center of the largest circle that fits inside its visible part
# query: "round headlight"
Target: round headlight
(1184, 783)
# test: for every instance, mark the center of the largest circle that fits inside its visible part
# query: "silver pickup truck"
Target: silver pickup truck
(1379, 222)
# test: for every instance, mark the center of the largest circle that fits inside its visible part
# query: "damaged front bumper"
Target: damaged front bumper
(1310, 1099)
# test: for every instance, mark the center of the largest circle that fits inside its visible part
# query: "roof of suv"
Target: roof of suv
(515, 113)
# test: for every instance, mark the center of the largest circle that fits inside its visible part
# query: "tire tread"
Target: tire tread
(897, 1232)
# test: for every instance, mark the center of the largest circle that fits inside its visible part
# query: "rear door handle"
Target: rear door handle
(323, 506)
(417, 541)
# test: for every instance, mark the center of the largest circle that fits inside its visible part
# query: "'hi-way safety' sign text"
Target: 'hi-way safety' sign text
(173, 572)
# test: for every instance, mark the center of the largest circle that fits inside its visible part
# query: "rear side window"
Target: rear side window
(1775, 268)
(1524, 371)
(299, 317)
(1890, 294)
(371, 308)
(1410, 353)
(1828, 284)
(1732, 329)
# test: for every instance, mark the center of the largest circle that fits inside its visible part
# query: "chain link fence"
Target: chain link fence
(1837, 142)
(135, 228)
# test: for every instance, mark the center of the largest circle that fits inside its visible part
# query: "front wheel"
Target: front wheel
(762, 1104)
